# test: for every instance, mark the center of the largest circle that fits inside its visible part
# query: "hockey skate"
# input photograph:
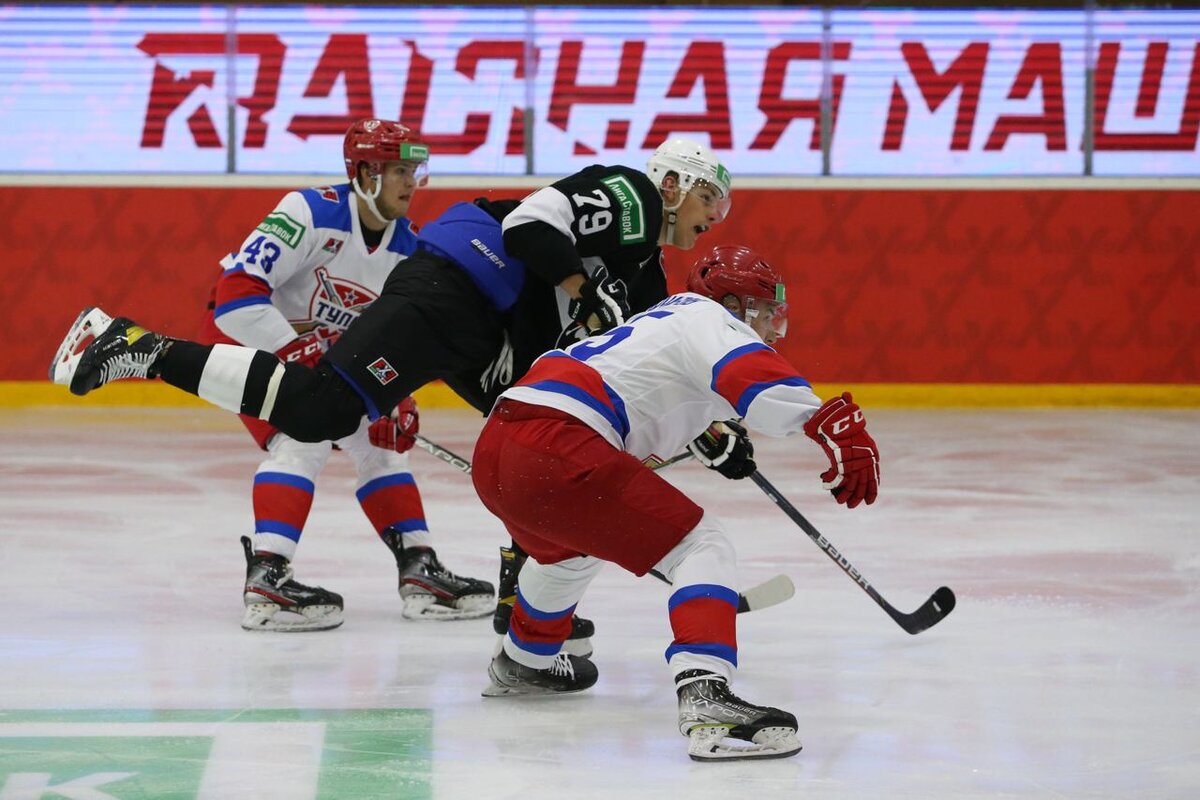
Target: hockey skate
(275, 602)
(720, 726)
(430, 591)
(579, 643)
(99, 349)
(566, 675)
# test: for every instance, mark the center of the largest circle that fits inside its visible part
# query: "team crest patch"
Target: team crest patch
(332, 245)
(384, 372)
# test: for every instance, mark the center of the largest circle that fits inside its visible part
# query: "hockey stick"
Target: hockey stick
(455, 460)
(768, 593)
(931, 612)
(433, 448)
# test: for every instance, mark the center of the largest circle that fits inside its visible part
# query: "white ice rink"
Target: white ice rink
(1070, 669)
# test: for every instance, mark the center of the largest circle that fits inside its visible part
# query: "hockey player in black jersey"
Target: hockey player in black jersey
(599, 226)
(490, 287)
(598, 218)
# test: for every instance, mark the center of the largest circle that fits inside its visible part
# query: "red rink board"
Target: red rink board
(886, 285)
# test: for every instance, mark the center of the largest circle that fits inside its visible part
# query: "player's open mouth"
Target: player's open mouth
(701, 229)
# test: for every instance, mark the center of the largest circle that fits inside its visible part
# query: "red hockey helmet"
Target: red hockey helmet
(734, 274)
(377, 141)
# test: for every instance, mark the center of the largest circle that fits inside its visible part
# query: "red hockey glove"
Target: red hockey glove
(307, 348)
(839, 427)
(396, 431)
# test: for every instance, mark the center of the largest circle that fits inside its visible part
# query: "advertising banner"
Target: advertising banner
(885, 285)
(508, 91)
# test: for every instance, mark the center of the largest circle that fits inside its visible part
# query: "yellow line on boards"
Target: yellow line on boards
(14, 394)
(1020, 395)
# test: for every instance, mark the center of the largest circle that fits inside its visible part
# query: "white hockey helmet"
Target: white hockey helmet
(692, 162)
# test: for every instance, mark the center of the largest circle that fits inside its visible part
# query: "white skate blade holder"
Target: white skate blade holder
(425, 606)
(713, 743)
(494, 689)
(90, 323)
(272, 617)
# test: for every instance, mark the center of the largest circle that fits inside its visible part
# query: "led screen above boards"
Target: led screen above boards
(505, 91)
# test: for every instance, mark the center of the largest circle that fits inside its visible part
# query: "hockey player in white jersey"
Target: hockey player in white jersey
(481, 297)
(596, 225)
(562, 461)
(299, 279)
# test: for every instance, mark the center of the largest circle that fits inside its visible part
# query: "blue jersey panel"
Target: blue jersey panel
(329, 206)
(473, 239)
(404, 241)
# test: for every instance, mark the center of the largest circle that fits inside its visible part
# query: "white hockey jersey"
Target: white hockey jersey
(651, 386)
(306, 265)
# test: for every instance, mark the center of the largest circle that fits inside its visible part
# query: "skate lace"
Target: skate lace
(722, 693)
(436, 570)
(128, 365)
(284, 578)
(125, 367)
(562, 666)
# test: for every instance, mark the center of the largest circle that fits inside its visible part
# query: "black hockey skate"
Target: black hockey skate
(98, 349)
(275, 602)
(579, 643)
(566, 675)
(721, 726)
(430, 591)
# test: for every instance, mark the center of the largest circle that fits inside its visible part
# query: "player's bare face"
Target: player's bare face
(698, 212)
(399, 183)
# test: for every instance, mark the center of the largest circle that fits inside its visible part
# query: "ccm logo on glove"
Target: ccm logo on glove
(841, 430)
(398, 430)
(307, 348)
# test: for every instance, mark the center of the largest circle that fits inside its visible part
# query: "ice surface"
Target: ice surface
(1070, 669)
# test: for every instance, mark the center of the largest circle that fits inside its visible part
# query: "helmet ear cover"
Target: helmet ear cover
(734, 304)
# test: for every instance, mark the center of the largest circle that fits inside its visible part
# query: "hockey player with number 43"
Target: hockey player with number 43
(491, 286)
(562, 462)
(298, 281)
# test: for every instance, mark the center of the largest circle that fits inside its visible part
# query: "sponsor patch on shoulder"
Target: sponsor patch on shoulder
(283, 228)
(384, 372)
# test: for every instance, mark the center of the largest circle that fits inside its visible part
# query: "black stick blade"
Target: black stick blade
(934, 610)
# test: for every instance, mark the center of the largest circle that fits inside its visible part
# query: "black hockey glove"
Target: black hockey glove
(725, 447)
(603, 303)
(570, 335)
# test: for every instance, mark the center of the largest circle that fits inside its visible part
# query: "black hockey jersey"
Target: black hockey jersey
(609, 215)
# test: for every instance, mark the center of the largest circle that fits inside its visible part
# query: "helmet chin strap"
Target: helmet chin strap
(669, 236)
(369, 199)
(672, 217)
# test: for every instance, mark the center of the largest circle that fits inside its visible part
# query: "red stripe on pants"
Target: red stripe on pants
(282, 503)
(388, 505)
(705, 620)
(539, 631)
